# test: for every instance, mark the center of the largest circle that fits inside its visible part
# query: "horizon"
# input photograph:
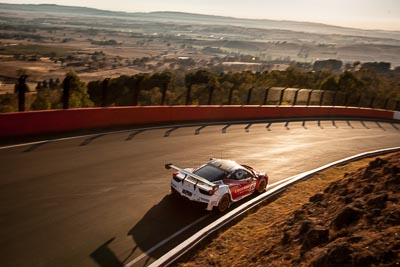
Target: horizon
(360, 14)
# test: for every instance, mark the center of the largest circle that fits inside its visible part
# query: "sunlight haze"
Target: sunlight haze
(364, 14)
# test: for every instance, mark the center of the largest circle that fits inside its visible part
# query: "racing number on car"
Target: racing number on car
(253, 186)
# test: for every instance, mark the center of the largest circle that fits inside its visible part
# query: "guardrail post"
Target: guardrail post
(266, 95)
(371, 103)
(135, 97)
(164, 93)
(309, 97)
(295, 97)
(66, 89)
(104, 92)
(386, 103)
(359, 101)
(189, 89)
(21, 89)
(346, 99)
(321, 100)
(334, 99)
(230, 96)
(210, 94)
(249, 96)
(281, 96)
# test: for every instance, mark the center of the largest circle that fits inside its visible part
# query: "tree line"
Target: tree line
(203, 87)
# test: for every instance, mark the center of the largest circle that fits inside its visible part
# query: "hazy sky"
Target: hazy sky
(366, 14)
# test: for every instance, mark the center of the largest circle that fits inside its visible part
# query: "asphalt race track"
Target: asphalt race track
(104, 200)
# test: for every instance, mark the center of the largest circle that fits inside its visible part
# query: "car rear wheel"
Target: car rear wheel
(223, 204)
(261, 186)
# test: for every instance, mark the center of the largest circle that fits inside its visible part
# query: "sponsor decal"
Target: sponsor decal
(249, 187)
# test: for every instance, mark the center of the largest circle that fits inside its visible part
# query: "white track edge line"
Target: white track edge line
(159, 244)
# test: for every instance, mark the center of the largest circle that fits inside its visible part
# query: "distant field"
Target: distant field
(48, 42)
(29, 49)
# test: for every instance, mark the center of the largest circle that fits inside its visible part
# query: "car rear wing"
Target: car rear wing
(193, 175)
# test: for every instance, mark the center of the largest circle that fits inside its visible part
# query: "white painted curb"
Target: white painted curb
(184, 247)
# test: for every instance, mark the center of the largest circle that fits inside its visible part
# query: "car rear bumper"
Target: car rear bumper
(193, 196)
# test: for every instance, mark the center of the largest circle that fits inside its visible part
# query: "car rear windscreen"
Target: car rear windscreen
(210, 172)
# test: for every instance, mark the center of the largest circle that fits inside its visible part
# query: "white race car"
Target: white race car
(217, 183)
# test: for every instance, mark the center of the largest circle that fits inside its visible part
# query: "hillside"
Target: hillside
(351, 221)
(180, 17)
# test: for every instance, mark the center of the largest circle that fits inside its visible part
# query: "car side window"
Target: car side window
(242, 174)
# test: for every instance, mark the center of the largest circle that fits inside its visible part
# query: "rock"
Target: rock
(340, 255)
(332, 188)
(305, 227)
(393, 182)
(314, 237)
(378, 201)
(298, 214)
(378, 162)
(393, 218)
(348, 199)
(354, 239)
(371, 176)
(395, 170)
(286, 238)
(368, 189)
(347, 216)
(364, 260)
(343, 192)
(317, 197)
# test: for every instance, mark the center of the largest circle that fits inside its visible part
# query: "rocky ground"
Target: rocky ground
(352, 220)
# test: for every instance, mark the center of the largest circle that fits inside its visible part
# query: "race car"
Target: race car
(217, 183)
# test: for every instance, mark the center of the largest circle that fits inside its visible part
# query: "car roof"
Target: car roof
(226, 165)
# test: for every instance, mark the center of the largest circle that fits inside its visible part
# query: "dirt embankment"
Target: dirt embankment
(353, 220)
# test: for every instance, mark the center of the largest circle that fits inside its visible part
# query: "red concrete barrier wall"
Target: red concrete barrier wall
(52, 121)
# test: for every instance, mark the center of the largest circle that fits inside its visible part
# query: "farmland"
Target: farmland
(46, 41)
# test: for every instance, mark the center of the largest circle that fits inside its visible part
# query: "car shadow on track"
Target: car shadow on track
(158, 225)
(105, 257)
(163, 220)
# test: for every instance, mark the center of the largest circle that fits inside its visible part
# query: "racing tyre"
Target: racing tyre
(223, 203)
(174, 193)
(261, 186)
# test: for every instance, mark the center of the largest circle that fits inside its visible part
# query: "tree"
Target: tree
(45, 84)
(41, 102)
(330, 65)
(57, 84)
(330, 83)
(21, 88)
(8, 103)
(350, 83)
(201, 78)
(38, 86)
(51, 84)
(378, 67)
(78, 97)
